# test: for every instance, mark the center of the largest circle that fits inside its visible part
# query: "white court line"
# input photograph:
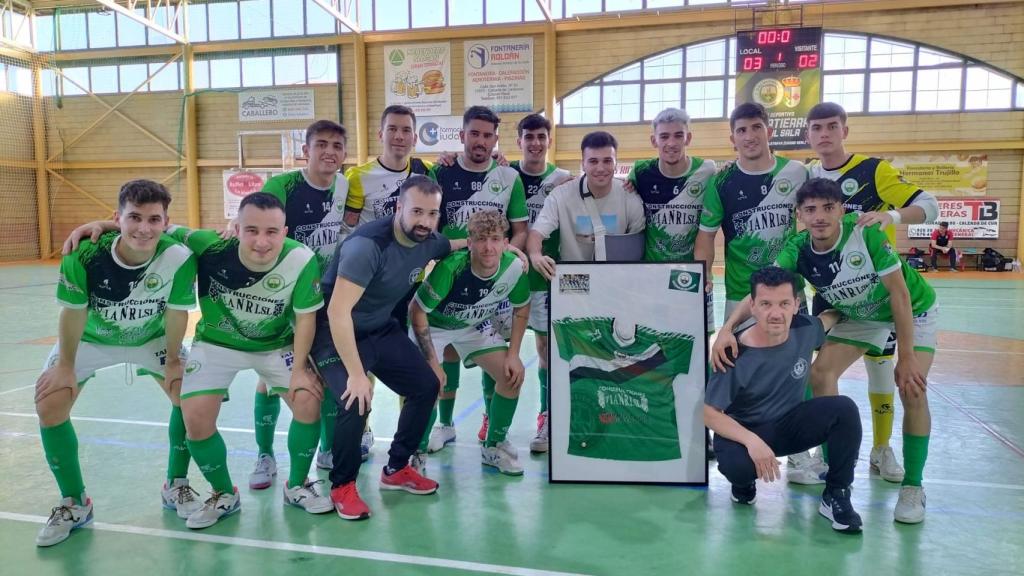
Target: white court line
(968, 483)
(302, 548)
(19, 389)
(980, 351)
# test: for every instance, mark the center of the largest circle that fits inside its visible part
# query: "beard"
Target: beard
(415, 233)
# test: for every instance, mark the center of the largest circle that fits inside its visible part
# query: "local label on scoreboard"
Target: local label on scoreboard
(780, 69)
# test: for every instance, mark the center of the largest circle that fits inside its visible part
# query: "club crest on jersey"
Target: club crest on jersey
(192, 367)
(273, 282)
(850, 186)
(783, 187)
(152, 282)
(501, 289)
(856, 260)
(414, 275)
(495, 187)
(695, 189)
(799, 369)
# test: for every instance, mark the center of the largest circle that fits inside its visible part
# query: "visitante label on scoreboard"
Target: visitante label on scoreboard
(781, 70)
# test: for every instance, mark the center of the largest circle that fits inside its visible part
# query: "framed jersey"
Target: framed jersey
(627, 373)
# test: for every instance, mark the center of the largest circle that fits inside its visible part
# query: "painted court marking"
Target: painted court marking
(18, 389)
(992, 432)
(302, 548)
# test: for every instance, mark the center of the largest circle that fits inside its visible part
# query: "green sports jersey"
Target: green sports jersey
(126, 303)
(465, 192)
(673, 207)
(537, 188)
(756, 213)
(454, 297)
(313, 215)
(622, 405)
(849, 275)
(245, 310)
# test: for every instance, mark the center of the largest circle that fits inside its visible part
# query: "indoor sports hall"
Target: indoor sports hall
(212, 98)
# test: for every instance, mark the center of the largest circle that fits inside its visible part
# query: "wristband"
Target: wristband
(895, 215)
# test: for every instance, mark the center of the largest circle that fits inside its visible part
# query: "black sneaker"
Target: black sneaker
(744, 494)
(836, 506)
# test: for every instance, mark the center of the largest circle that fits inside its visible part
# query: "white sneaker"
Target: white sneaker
(803, 468)
(263, 475)
(217, 506)
(440, 437)
(365, 444)
(910, 506)
(63, 519)
(498, 457)
(181, 497)
(419, 462)
(541, 440)
(508, 448)
(308, 497)
(324, 460)
(884, 464)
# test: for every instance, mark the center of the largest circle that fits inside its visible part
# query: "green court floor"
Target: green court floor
(485, 523)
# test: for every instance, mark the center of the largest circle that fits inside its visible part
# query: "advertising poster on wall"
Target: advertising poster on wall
(946, 174)
(781, 70)
(499, 74)
(968, 219)
(275, 105)
(240, 183)
(419, 76)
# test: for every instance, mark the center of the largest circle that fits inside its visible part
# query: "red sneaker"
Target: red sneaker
(408, 479)
(482, 434)
(348, 504)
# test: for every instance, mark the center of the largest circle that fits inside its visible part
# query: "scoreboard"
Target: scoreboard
(781, 70)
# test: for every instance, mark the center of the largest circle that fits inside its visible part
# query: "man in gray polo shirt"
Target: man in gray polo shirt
(372, 270)
(755, 401)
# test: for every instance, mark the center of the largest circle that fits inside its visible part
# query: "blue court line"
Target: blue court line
(469, 410)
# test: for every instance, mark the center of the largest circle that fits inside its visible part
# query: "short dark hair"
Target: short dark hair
(598, 139)
(943, 224)
(399, 110)
(821, 189)
(533, 122)
(827, 110)
(261, 200)
(325, 126)
(746, 111)
(480, 113)
(141, 192)
(419, 182)
(771, 276)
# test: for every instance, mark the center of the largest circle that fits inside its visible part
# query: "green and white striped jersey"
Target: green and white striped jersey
(537, 188)
(126, 303)
(673, 207)
(313, 215)
(454, 297)
(465, 192)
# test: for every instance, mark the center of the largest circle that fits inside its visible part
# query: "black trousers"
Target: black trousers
(832, 419)
(951, 254)
(399, 365)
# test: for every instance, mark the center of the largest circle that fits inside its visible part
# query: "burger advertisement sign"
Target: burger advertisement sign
(418, 76)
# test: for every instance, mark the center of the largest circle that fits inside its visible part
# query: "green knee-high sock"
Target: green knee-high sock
(915, 453)
(60, 445)
(266, 409)
(302, 440)
(430, 426)
(212, 457)
(542, 375)
(488, 384)
(502, 411)
(328, 415)
(446, 406)
(178, 457)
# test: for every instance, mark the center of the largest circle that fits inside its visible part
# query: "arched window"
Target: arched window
(866, 74)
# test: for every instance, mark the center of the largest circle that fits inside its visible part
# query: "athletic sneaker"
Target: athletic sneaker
(263, 475)
(836, 506)
(181, 497)
(217, 506)
(744, 494)
(365, 444)
(347, 502)
(501, 459)
(63, 519)
(441, 436)
(419, 462)
(803, 468)
(308, 497)
(910, 506)
(884, 464)
(324, 460)
(407, 479)
(482, 434)
(540, 442)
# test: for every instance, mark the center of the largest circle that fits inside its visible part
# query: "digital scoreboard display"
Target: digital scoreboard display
(780, 68)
